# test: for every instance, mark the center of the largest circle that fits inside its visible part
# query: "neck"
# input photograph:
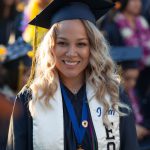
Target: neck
(73, 84)
(130, 18)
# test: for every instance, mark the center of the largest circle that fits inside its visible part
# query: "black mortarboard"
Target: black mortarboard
(127, 57)
(18, 52)
(59, 10)
(17, 62)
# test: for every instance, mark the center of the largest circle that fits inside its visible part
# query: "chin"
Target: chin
(70, 74)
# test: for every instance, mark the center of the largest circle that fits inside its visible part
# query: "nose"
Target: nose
(71, 52)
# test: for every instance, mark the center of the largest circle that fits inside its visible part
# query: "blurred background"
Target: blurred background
(127, 30)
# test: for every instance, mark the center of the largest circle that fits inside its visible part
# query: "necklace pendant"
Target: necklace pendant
(80, 147)
(85, 123)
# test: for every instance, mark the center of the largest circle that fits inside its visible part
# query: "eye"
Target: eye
(61, 43)
(82, 44)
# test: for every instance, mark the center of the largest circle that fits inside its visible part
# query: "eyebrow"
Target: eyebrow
(80, 39)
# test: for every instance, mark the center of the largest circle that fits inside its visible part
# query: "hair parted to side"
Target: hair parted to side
(100, 72)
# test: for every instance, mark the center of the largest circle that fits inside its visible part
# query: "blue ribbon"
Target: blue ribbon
(78, 129)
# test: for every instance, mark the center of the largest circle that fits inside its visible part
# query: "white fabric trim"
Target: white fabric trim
(48, 124)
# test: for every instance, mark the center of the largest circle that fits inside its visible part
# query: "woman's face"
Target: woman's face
(130, 78)
(72, 49)
(134, 7)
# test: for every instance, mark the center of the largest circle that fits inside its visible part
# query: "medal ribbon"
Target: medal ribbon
(79, 130)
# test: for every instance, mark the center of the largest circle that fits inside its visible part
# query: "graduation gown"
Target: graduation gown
(21, 129)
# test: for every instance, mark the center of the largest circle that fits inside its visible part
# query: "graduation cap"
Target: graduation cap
(127, 57)
(18, 52)
(59, 10)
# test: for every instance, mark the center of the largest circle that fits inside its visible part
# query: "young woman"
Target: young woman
(72, 101)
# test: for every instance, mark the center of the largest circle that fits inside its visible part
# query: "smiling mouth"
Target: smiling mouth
(71, 63)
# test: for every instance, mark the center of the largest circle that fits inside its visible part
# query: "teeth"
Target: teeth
(70, 63)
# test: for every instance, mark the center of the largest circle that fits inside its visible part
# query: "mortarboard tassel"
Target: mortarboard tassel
(32, 73)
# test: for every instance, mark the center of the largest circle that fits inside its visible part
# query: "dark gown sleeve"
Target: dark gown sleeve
(128, 138)
(20, 129)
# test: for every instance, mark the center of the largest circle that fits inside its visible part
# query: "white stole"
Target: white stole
(48, 125)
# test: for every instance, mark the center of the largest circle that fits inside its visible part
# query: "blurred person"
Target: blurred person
(129, 28)
(17, 63)
(128, 60)
(65, 103)
(6, 105)
(6, 108)
(33, 8)
(143, 90)
(4, 87)
(130, 75)
(14, 71)
(10, 20)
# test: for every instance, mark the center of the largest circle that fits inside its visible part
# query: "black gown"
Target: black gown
(21, 129)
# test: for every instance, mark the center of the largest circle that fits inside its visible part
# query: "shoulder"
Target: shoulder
(22, 101)
(20, 122)
(25, 94)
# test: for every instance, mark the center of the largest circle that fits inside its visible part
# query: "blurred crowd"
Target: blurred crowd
(127, 29)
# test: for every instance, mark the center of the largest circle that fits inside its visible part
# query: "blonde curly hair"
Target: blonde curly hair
(100, 72)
